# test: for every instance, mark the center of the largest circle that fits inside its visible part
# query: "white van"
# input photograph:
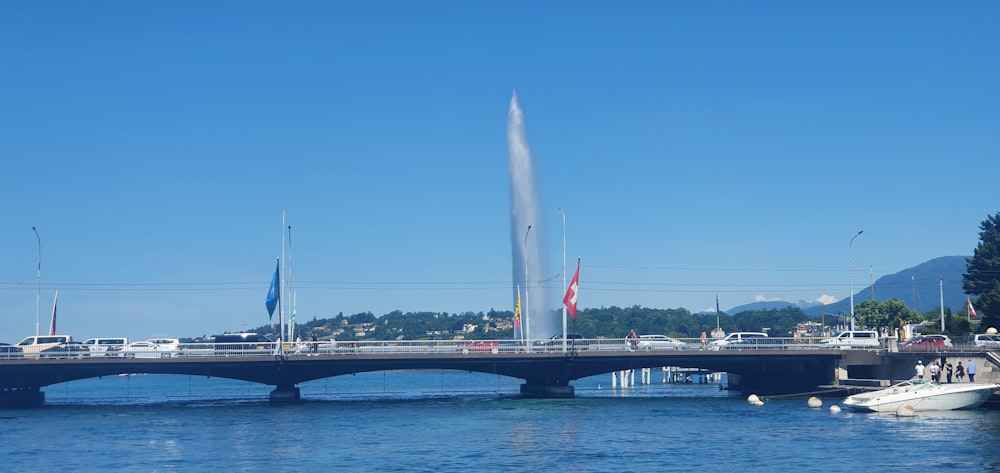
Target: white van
(31, 346)
(853, 339)
(106, 346)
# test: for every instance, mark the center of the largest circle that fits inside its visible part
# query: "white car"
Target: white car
(739, 339)
(167, 345)
(144, 350)
(659, 342)
(853, 339)
(985, 341)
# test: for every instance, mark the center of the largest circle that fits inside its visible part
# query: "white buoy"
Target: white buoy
(758, 402)
(834, 409)
(815, 402)
(752, 399)
(905, 410)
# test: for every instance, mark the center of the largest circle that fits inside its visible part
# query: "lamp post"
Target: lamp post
(564, 276)
(850, 256)
(38, 278)
(527, 314)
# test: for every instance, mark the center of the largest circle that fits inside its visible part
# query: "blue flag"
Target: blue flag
(273, 293)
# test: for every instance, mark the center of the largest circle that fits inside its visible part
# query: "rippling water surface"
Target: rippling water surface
(457, 421)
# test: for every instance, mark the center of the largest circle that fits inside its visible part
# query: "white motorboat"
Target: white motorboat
(922, 395)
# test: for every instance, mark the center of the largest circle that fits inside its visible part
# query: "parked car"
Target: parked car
(659, 342)
(65, 350)
(928, 341)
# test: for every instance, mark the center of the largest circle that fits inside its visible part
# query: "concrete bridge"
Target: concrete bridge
(547, 371)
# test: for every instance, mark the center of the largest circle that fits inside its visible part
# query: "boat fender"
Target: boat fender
(905, 410)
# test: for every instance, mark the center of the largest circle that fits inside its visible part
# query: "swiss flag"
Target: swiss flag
(570, 299)
(972, 311)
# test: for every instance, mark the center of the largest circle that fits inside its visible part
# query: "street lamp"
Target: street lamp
(527, 315)
(38, 277)
(850, 256)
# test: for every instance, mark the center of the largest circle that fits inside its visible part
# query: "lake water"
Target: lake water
(456, 421)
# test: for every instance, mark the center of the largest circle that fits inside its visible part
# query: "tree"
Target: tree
(889, 314)
(982, 277)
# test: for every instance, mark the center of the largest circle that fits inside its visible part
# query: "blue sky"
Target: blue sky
(697, 148)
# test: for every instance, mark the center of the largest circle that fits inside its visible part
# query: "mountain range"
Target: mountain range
(920, 287)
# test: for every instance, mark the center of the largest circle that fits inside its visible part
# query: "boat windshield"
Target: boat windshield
(916, 384)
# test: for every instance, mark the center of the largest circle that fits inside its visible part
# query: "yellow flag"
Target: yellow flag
(517, 309)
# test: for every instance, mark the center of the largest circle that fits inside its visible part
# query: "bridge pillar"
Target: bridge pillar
(537, 390)
(22, 397)
(283, 394)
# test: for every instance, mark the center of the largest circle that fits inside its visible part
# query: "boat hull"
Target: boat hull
(922, 396)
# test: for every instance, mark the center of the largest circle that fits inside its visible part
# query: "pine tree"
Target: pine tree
(982, 277)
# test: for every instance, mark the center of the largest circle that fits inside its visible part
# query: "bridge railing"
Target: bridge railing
(466, 347)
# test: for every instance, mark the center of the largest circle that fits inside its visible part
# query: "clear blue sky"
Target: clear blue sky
(697, 148)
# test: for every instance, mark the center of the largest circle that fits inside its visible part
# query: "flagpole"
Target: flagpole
(281, 303)
(717, 327)
(941, 285)
(38, 277)
(564, 280)
(52, 325)
(871, 277)
(518, 330)
(288, 284)
(526, 309)
(577, 295)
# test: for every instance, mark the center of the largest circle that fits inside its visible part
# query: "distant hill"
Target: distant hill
(765, 305)
(919, 287)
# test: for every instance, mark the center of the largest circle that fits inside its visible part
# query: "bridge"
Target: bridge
(546, 369)
(779, 366)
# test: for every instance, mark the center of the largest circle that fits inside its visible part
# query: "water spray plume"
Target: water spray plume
(526, 247)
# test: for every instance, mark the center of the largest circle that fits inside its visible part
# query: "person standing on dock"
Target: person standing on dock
(633, 340)
(971, 369)
(960, 372)
(704, 340)
(919, 369)
(948, 370)
(935, 370)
